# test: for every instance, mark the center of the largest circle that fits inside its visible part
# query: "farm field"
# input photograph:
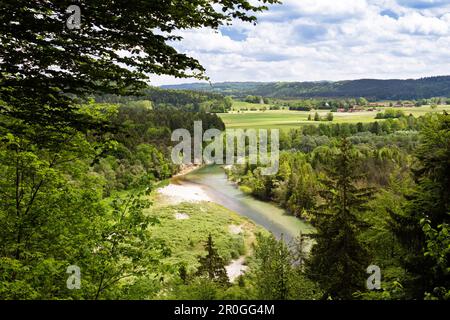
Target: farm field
(239, 105)
(284, 119)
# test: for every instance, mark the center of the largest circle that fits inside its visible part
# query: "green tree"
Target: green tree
(316, 117)
(438, 249)
(338, 259)
(71, 64)
(426, 210)
(273, 277)
(279, 273)
(330, 116)
(362, 102)
(212, 265)
(124, 249)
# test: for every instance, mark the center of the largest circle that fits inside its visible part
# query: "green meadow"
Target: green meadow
(285, 119)
(186, 237)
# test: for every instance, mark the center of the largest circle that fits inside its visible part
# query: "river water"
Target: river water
(214, 182)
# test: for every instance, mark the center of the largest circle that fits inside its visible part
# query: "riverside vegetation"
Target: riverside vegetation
(84, 146)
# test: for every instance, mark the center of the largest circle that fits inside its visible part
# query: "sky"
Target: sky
(314, 40)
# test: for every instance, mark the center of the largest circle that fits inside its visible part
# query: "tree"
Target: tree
(48, 68)
(375, 128)
(425, 214)
(212, 265)
(273, 278)
(330, 116)
(124, 249)
(338, 259)
(316, 117)
(438, 249)
(279, 272)
(309, 117)
(362, 101)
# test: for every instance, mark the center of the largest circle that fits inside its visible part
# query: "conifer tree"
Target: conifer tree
(338, 259)
(427, 211)
(212, 265)
(316, 117)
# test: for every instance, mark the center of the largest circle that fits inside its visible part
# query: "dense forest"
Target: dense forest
(85, 145)
(379, 196)
(370, 89)
(156, 98)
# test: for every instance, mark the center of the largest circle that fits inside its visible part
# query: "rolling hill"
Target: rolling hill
(372, 89)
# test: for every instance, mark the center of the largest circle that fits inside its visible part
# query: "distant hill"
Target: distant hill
(157, 98)
(369, 88)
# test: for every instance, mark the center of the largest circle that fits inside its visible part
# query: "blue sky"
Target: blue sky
(312, 40)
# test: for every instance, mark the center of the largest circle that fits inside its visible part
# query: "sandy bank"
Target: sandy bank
(176, 194)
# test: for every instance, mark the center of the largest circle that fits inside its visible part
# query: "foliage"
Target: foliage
(390, 114)
(368, 88)
(212, 265)
(68, 65)
(428, 202)
(279, 274)
(338, 259)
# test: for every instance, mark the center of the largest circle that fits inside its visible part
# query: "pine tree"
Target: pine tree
(338, 259)
(212, 265)
(427, 210)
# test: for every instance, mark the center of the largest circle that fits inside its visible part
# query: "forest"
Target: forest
(382, 186)
(92, 206)
(371, 89)
(388, 189)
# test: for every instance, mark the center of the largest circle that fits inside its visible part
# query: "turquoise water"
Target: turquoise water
(215, 183)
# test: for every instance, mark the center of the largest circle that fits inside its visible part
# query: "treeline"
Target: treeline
(371, 205)
(321, 104)
(141, 154)
(409, 123)
(338, 104)
(390, 114)
(156, 98)
(371, 89)
(296, 185)
(374, 90)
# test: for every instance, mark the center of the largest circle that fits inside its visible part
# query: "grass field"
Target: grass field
(239, 105)
(186, 238)
(283, 119)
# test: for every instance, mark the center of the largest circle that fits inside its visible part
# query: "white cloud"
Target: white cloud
(416, 23)
(327, 40)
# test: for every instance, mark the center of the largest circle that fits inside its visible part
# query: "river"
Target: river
(214, 182)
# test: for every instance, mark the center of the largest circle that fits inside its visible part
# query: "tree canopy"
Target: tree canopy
(45, 65)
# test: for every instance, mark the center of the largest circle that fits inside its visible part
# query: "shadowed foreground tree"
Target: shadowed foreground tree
(47, 67)
(51, 209)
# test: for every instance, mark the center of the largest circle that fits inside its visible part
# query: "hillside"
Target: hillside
(156, 98)
(369, 88)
